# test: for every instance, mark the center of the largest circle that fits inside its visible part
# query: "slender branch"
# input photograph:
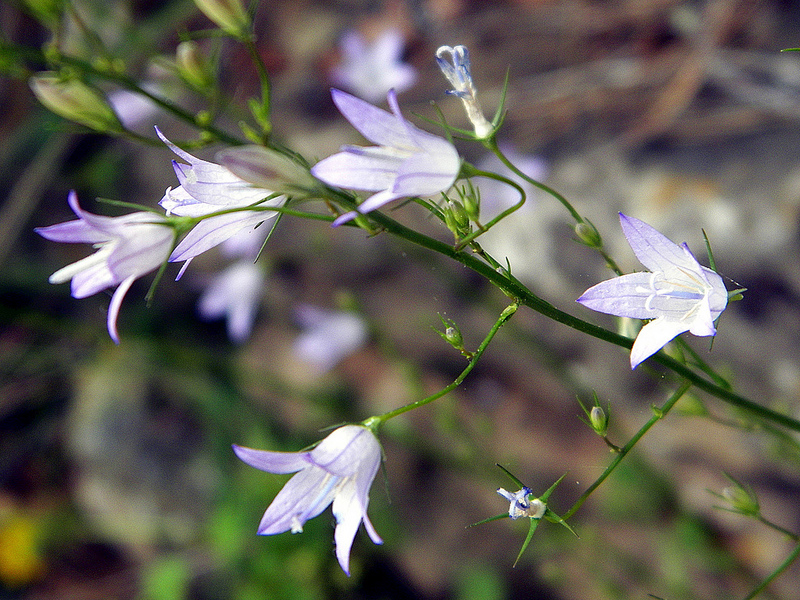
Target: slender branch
(504, 316)
(781, 568)
(659, 414)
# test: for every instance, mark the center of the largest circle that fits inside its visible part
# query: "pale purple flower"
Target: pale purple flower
(521, 506)
(329, 335)
(127, 248)
(370, 70)
(340, 469)
(206, 188)
(677, 295)
(133, 108)
(234, 293)
(406, 162)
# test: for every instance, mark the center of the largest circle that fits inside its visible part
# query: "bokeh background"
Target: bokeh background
(116, 475)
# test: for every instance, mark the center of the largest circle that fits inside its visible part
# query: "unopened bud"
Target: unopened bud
(229, 15)
(75, 101)
(587, 233)
(456, 218)
(742, 500)
(266, 168)
(599, 420)
(193, 65)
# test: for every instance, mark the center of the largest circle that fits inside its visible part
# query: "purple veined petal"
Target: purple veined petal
(653, 249)
(375, 201)
(177, 201)
(624, 296)
(654, 336)
(345, 449)
(114, 306)
(357, 171)
(88, 228)
(423, 175)
(141, 253)
(375, 124)
(212, 231)
(305, 496)
(272, 462)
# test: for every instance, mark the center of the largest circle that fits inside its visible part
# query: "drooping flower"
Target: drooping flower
(206, 188)
(234, 293)
(677, 295)
(458, 72)
(370, 70)
(127, 248)
(406, 162)
(340, 469)
(329, 335)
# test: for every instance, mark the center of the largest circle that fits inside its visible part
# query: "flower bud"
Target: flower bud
(75, 101)
(229, 15)
(599, 420)
(587, 233)
(741, 499)
(265, 168)
(193, 65)
(456, 219)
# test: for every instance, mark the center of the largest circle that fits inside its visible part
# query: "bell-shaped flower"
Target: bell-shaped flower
(328, 335)
(677, 295)
(339, 470)
(370, 70)
(406, 162)
(127, 248)
(234, 293)
(206, 188)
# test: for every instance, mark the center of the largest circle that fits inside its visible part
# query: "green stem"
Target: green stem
(373, 422)
(264, 119)
(781, 568)
(658, 414)
(514, 289)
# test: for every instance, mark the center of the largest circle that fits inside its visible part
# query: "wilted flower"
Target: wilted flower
(206, 188)
(328, 336)
(127, 248)
(371, 70)
(458, 72)
(340, 469)
(678, 294)
(521, 505)
(234, 293)
(406, 162)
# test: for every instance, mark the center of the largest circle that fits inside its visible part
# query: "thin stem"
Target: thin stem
(781, 568)
(514, 289)
(658, 414)
(504, 316)
(264, 119)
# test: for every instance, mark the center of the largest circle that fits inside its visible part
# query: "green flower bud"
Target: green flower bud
(587, 233)
(229, 15)
(598, 420)
(75, 101)
(193, 65)
(741, 499)
(266, 168)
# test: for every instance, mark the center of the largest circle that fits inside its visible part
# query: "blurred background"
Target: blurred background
(116, 475)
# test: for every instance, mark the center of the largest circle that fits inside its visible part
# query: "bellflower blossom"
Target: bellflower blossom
(205, 188)
(127, 248)
(406, 162)
(234, 293)
(370, 70)
(329, 335)
(677, 295)
(340, 469)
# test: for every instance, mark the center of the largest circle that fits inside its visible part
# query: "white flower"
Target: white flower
(235, 294)
(522, 505)
(206, 188)
(329, 336)
(371, 70)
(406, 162)
(458, 72)
(340, 469)
(677, 295)
(127, 248)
